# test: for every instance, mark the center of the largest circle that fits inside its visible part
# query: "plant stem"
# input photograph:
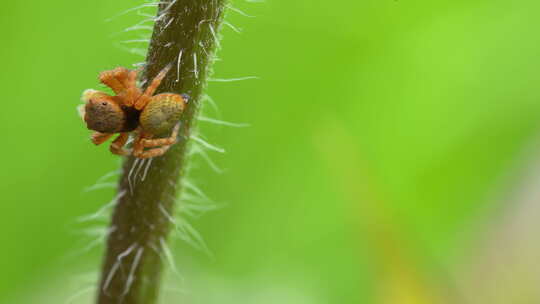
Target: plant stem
(148, 189)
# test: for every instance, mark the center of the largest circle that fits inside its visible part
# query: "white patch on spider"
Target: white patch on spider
(81, 110)
(86, 94)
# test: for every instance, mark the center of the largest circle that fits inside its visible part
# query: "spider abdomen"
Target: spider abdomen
(162, 113)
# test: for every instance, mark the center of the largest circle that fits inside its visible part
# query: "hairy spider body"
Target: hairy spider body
(162, 113)
(106, 115)
(133, 110)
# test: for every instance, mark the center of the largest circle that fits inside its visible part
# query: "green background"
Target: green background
(386, 139)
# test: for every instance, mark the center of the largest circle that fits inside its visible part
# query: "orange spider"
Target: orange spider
(133, 110)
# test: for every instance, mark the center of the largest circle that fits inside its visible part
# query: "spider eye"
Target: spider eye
(186, 97)
(104, 103)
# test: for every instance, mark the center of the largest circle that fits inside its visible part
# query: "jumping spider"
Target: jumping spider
(133, 110)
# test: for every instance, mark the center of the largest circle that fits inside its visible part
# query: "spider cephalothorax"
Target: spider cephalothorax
(133, 110)
(105, 114)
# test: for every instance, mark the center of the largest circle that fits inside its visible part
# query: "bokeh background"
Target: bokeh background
(392, 154)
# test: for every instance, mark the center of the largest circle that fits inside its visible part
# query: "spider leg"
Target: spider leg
(98, 138)
(153, 152)
(114, 79)
(138, 148)
(156, 142)
(132, 77)
(124, 83)
(163, 145)
(121, 74)
(117, 146)
(147, 95)
(132, 92)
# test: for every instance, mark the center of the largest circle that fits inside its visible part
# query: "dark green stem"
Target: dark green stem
(148, 191)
